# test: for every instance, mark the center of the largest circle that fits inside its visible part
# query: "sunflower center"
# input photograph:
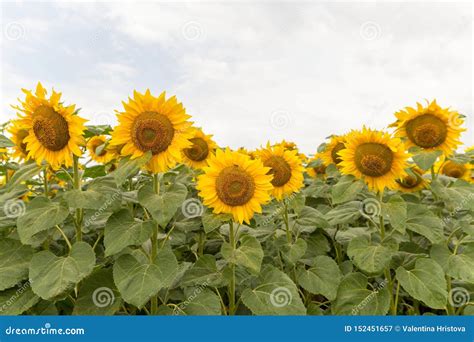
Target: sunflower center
(321, 169)
(427, 131)
(50, 128)
(198, 151)
(454, 170)
(235, 186)
(410, 181)
(280, 169)
(152, 131)
(373, 159)
(96, 146)
(334, 153)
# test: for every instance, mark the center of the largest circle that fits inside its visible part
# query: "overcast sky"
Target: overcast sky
(246, 72)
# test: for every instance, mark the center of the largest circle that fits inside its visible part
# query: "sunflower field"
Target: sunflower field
(153, 217)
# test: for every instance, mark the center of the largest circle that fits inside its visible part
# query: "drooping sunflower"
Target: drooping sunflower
(413, 181)
(453, 169)
(18, 135)
(430, 127)
(285, 167)
(55, 132)
(154, 124)
(202, 147)
(330, 155)
(235, 184)
(97, 147)
(316, 167)
(374, 156)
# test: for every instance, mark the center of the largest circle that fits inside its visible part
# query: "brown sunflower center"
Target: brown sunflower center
(198, 151)
(454, 170)
(50, 128)
(427, 131)
(373, 159)
(280, 169)
(21, 135)
(321, 169)
(334, 153)
(96, 145)
(410, 181)
(152, 131)
(235, 186)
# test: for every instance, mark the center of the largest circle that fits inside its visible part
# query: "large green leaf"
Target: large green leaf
(203, 272)
(291, 252)
(89, 199)
(211, 221)
(98, 295)
(41, 214)
(52, 276)
(396, 212)
(129, 167)
(345, 213)
(274, 294)
(310, 217)
(458, 266)
(422, 221)
(5, 142)
(17, 300)
(346, 189)
(368, 256)
(323, 277)
(122, 230)
(426, 282)
(14, 261)
(199, 301)
(425, 160)
(354, 298)
(25, 173)
(163, 206)
(249, 254)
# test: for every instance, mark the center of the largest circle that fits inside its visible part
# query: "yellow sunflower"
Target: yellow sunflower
(413, 181)
(235, 184)
(202, 147)
(55, 132)
(291, 146)
(330, 154)
(154, 124)
(18, 135)
(3, 154)
(286, 169)
(454, 170)
(319, 169)
(375, 157)
(97, 147)
(430, 127)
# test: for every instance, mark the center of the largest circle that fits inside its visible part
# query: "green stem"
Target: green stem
(381, 220)
(45, 181)
(287, 226)
(7, 176)
(65, 237)
(232, 280)
(395, 303)
(154, 243)
(201, 243)
(79, 211)
(449, 308)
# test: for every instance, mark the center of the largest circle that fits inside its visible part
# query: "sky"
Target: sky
(247, 72)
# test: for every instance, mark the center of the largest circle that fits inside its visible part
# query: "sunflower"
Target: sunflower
(454, 170)
(3, 154)
(55, 132)
(291, 146)
(97, 147)
(202, 147)
(330, 154)
(18, 135)
(235, 184)
(430, 127)
(375, 157)
(153, 124)
(285, 167)
(413, 181)
(316, 167)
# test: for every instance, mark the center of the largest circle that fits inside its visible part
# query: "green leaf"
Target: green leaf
(122, 230)
(459, 266)
(396, 212)
(426, 282)
(292, 252)
(89, 199)
(310, 217)
(25, 173)
(5, 142)
(164, 206)
(345, 213)
(422, 221)
(368, 256)
(321, 278)
(98, 295)
(14, 261)
(346, 189)
(129, 167)
(275, 294)
(203, 272)
(249, 254)
(52, 276)
(212, 221)
(41, 214)
(425, 160)
(353, 297)
(17, 300)
(200, 301)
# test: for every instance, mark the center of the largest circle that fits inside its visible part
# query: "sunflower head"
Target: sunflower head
(285, 167)
(374, 156)
(54, 132)
(316, 167)
(291, 146)
(153, 124)
(413, 181)
(202, 147)
(233, 183)
(430, 127)
(97, 147)
(330, 155)
(18, 135)
(453, 169)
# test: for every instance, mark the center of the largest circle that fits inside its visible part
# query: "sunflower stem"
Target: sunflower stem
(395, 302)
(154, 243)
(232, 280)
(287, 225)
(45, 181)
(77, 186)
